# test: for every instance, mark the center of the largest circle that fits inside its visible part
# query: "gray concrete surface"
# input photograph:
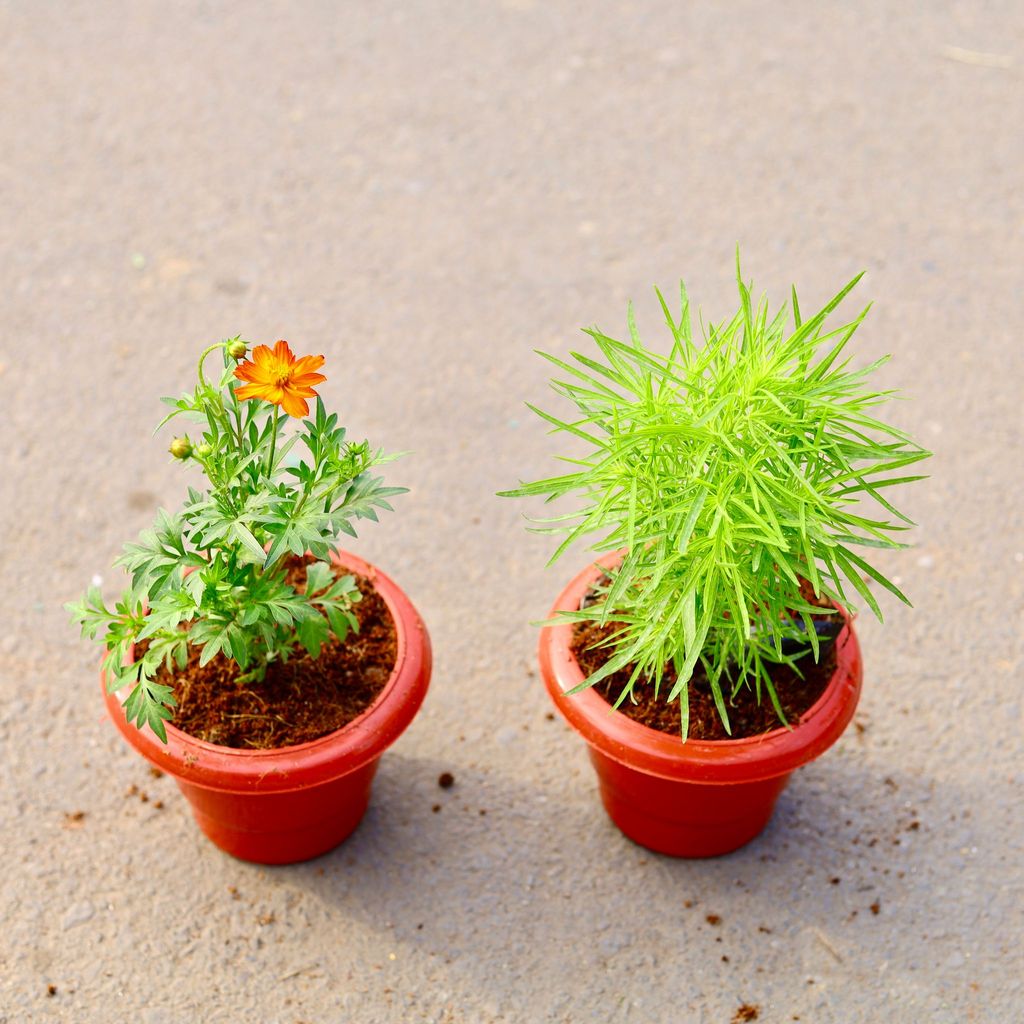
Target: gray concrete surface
(425, 192)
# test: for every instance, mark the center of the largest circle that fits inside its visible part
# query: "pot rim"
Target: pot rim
(766, 756)
(283, 769)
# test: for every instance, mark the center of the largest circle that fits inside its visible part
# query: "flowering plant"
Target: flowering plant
(728, 472)
(211, 576)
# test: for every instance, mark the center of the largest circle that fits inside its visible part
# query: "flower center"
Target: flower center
(282, 378)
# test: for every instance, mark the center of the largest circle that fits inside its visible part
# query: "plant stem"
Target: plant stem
(273, 442)
(202, 358)
(238, 428)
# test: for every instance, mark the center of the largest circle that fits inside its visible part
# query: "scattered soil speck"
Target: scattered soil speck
(156, 773)
(875, 907)
(913, 826)
(235, 894)
(746, 1012)
(436, 808)
(764, 931)
(159, 805)
(230, 286)
(483, 812)
(265, 919)
(51, 990)
(835, 881)
(550, 716)
(74, 819)
(713, 919)
(141, 501)
(446, 780)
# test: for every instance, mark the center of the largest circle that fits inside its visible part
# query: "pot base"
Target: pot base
(282, 828)
(684, 819)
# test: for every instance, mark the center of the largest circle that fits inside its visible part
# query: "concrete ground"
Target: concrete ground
(425, 192)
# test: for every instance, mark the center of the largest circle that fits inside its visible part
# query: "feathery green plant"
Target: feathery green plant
(728, 471)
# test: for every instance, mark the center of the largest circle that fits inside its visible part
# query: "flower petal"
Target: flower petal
(283, 353)
(250, 372)
(262, 356)
(252, 391)
(307, 380)
(307, 364)
(293, 404)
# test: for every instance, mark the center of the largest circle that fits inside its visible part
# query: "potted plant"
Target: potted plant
(263, 668)
(710, 651)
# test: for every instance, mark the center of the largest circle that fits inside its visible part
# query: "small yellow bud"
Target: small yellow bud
(181, 447)
(203, 451)
(237, 349)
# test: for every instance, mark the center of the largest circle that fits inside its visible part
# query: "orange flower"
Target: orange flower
(277, 376)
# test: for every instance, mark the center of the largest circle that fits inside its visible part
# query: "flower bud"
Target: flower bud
(203, 451)
(237, 349)
(181, 447)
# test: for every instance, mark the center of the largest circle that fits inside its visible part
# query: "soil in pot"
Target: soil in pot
(747, 717)
(297, 701)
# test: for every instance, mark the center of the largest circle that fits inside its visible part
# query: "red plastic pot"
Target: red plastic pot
(292, 803)
(699, 798)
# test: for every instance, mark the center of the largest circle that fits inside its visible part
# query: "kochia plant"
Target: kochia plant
(211, 576)
(729, 471)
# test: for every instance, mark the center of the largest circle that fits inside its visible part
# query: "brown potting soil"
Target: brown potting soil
(747, 716)
(298, 700)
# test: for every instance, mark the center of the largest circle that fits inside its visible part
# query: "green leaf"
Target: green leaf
(248, 541)
(319, 576)
(341, 621)
(313, 632)
(691, 520)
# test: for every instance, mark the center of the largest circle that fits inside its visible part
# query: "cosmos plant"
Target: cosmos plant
(211, 576)
(730, 470)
